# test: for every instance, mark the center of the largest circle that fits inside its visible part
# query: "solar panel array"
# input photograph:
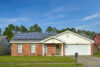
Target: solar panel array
(32, 36)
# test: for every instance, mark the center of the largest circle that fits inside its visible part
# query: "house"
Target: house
(96, 39)
(4, 45)
(50, 44)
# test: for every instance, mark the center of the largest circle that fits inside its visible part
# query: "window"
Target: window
(19, 48)
(45, 48)
(33, 48)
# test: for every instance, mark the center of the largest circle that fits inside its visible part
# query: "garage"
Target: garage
(82, 49)
(72, 43)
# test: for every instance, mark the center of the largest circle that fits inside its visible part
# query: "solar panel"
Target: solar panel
(31, 36)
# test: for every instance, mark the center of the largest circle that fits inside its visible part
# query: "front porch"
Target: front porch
(53, 47)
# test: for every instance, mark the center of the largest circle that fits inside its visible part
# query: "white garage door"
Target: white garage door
(80, 49)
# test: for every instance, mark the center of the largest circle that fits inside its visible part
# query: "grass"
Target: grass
(39, 65)
(35, 59)
(97, 55)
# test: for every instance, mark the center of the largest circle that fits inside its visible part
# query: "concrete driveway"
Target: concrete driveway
(89, 61)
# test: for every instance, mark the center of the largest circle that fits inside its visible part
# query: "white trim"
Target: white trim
(43, 49)
(43, 41)
(20, 48)
(33, 48)
(67, 32)
(74, 34)
(62, 49)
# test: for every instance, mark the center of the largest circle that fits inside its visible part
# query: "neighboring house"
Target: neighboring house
(50, 44)
(4, 45)
(96, 39)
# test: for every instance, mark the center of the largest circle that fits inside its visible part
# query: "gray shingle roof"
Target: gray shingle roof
(2, 37)
(32, 36)
(4, 40)
(84, 35)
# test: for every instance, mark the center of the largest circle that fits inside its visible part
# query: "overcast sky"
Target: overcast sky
(80, 14)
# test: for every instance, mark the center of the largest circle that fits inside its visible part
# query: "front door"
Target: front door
(57, 49)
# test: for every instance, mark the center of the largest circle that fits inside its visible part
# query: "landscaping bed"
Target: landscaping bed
(97, 55)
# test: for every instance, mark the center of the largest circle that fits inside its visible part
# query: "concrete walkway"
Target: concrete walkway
(89, 61)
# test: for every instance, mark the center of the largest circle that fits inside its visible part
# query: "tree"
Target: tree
(73, 30)
(49, 29)
(55, 30)
(0, 32)
(39, 30)
(92, 34)
(78, 31)
(70, 29)
(17, 29)
(11, 26)
(23, 29)
(62, 30)
(8, 32)
(35, 28)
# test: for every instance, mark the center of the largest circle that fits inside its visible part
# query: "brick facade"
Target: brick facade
(26, 50)
(91, 48)
(14, 50)
(51, 49)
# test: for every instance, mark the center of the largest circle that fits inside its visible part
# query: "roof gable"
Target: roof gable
(52, 40)
(64, 38)
(74, 34)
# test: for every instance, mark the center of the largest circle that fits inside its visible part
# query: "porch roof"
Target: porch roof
(52, 40)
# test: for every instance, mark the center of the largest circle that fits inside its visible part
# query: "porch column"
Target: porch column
(62, 51)
(43, 49)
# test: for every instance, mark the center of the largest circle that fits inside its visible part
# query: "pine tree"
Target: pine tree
(35, 28)
(23, 29)
(8, 32)
(49, 29)
(17, 29)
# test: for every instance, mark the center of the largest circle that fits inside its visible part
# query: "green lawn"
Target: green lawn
(39, 65)
(97, 55)
(35, 59)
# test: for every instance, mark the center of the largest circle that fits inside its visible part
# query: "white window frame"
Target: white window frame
(19, 48)
(45, 48)
(33, 48)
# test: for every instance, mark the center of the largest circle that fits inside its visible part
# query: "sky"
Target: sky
(79, 14)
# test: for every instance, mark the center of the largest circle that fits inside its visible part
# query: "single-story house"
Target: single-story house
(96, 39)
(4, 45)
(50, 44)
